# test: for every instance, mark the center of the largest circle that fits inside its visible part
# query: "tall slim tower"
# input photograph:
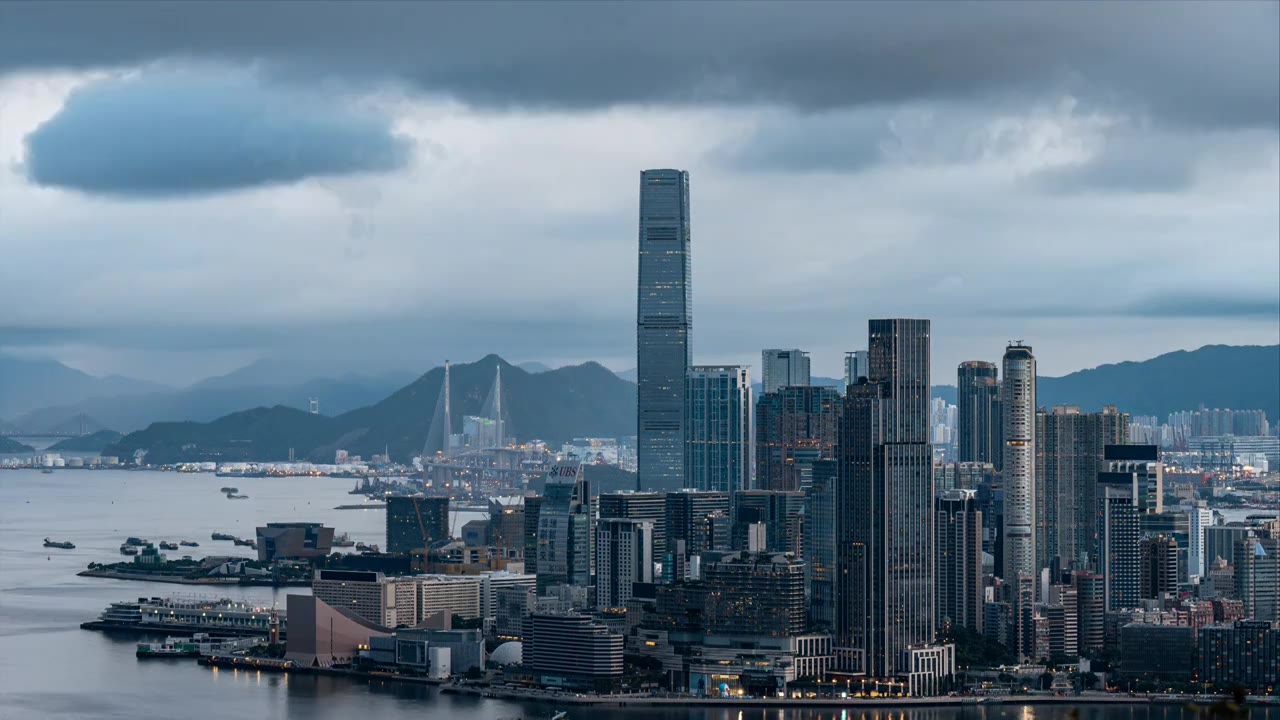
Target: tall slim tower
(1018, 401)
(448, 420)
(664, 317)
(497, 406)
(885, 505)
(978, 417)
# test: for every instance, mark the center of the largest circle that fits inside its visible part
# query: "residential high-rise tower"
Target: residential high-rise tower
(1018, 406)
(664, 316)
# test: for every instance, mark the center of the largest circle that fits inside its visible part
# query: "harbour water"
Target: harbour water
(50, 668)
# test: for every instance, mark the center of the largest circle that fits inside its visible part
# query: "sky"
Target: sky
(187, 187)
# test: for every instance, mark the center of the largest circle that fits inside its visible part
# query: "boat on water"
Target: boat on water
(361, 547)
(190, 543)
(198, 645)
(223, 536)
(343, 540)
(232, 496)
(64, 545)
(190, 614)
(128, 549)
(229, 489)
(136, 541)
(249, 543)
(166, 545)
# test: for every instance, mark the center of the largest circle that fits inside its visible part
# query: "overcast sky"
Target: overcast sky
(187, 187)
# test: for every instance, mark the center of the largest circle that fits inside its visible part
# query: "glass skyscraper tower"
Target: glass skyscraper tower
(664, 317)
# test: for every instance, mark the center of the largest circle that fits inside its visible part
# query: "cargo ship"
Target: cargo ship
(223, 536)
(190, 543)
(63, 545)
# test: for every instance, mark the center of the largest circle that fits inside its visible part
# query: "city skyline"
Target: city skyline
(1057, 173)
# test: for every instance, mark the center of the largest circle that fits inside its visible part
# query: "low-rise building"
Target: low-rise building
(571, 651)
(389, 602)
(293, 541)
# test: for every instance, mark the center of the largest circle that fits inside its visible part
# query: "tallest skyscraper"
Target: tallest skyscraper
(664, 317)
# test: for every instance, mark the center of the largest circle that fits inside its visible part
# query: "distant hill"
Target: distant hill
(533, 366)
(27, 384)
(213, 398)
(1241, 377)
(554, 406)
(9, 445)
(94, 442)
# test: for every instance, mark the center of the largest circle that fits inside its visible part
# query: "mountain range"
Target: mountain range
(555, 406)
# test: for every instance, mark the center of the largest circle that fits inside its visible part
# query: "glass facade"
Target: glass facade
(1018, 406)
(719, 441)
(664, 316)
(885, 503)
(978, 417)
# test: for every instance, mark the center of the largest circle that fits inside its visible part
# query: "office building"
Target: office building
(959, 546)
(1152, 653)
(664, 318)
(689, 521)
(855, 366)
(885, 506)
(571, 651)
(371, 595)
(514, 604)
(639, 506)
(719, 441)
(506, 522)
(962, 475)
(1243, 653)
(415, 522)
(1018, 407)
(1063, 614)
(820, 543)
(1070, 452)
(781, 513)
(624, 556)
(564, 530)
(1257, 577)
(978, 415)
(1118, 533)
(1158, 573)
(493, 581)
(783, 368)
(1200, 518)
(795, 427)
(755, 594)
(1142, 463)
(293, 541)
(1090, 611)
(457, 594)
(532, 509)
(1220, 541)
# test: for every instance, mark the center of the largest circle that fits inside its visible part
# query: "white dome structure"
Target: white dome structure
(508, 653)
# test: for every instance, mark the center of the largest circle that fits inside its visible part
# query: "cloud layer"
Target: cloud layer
(161, 132)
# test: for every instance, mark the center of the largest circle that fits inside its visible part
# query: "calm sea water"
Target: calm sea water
(50, 668)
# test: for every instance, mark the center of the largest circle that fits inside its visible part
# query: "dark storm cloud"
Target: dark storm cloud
(1210, 64)
(179, 133)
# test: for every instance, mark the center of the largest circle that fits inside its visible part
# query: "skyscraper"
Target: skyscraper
(885, 505)
(978, 397)
(720, 442)
(415, 522)
(795, 427)
(1018, 405)
(624, 556)
(664, 316)
(1158, 571)
(1200, 517)
(1118, 531)
(855, 366)
(564, 529)
(1070, 451)
(783, 368)
(820, 542)
(959, 547)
